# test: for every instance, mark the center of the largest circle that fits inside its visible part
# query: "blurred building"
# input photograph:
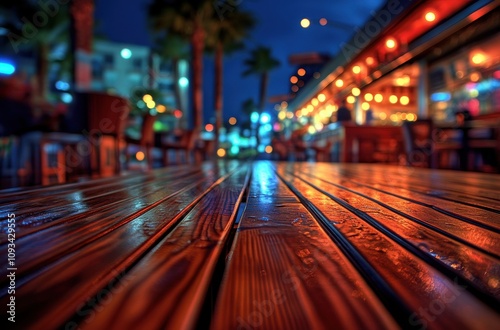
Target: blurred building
(124, 68)
(413, 59)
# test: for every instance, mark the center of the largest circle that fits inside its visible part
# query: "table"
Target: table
(354, 135)
(271, 245)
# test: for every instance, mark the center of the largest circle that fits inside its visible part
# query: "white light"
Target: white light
(265, 118)
(126, 53)
(183, 82)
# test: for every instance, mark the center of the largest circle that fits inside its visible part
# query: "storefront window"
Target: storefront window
(469, 80)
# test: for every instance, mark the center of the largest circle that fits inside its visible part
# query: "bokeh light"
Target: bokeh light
(140, 156)
(221, 152)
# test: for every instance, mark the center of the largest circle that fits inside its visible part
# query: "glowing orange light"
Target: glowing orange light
(209, 127)
(323, 21)
(294, 79)
(221, 152)
(356, 69)
(161, 108)
(232, 121)
(269, 149)
(478, 58)
(301, 72)
(140, 156)
(369, 60)
(474, 76)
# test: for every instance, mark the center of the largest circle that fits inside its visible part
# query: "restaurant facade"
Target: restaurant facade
(411, 60)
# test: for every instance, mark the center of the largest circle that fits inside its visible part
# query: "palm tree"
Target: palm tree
(261, 63)
(187, 19)
(41, 37)
(225, 36)
(173, 48)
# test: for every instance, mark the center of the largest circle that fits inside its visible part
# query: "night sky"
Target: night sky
(278, 27)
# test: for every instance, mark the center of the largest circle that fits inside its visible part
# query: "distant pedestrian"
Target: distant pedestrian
(343, 113)
(369, 116)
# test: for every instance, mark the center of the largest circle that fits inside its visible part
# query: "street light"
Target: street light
(305, 23)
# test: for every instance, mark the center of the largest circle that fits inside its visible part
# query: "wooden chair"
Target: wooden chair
(204, 150)
(323, 151)
(146, 141)
(184, 146)
(423, 148)
(281, 148)
(483, 143)
(106, 124)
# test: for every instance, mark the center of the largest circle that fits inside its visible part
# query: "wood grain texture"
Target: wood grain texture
(285, 273)
(87, 272)
(354, 214)
(319, 246)
(169, 284)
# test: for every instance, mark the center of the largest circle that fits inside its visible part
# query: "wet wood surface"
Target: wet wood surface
(230, 245)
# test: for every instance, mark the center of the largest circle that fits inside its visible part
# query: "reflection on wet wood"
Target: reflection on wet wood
(318, 246)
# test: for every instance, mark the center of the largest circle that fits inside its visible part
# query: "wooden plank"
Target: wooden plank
(60, 290)
(285, 273)
(411, 179)
(43, 247)
(54, 192)
(457, 227)
(167, 287)
(486, 186)
(89, 202)
(465, 258)
(419, 284)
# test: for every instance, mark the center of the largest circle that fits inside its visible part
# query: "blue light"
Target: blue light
(66, 98)
(62, 85)
(7, 68)
(126, 53)
(235, 150)
(440, 97)
(183, 82)
(254, 117)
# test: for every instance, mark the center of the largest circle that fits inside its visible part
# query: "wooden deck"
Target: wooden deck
(259, 245)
